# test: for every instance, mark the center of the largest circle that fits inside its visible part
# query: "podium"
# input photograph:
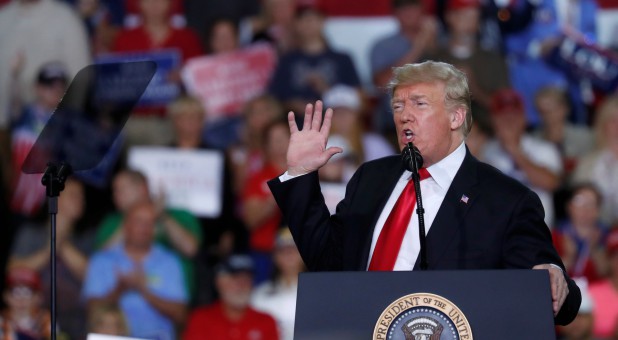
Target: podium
(432, 305)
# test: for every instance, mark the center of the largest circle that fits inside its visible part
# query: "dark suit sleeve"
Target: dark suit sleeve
(528, 243)
(318, 235)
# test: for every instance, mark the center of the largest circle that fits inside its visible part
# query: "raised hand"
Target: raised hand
(307, 149)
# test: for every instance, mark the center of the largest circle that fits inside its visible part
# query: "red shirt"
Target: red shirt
(138, 40)
(211, 323)
(262, 238)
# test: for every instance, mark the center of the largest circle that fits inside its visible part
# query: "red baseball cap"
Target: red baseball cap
(506, 99)
(22, 276)
(611, 244)
(454, 5)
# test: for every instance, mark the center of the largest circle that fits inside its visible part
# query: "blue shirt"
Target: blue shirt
(165, 280)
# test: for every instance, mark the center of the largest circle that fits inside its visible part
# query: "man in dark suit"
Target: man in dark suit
(475, 216)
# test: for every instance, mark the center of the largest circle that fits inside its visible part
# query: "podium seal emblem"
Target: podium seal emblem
(422, 316)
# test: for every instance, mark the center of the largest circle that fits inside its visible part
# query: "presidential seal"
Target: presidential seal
(422, 316)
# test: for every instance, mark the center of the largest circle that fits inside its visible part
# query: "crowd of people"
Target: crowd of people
(130, 265)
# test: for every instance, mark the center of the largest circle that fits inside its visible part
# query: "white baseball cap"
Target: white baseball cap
(342, 96)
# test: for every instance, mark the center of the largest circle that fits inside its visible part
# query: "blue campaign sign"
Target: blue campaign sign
(581, 60)
(162, 89)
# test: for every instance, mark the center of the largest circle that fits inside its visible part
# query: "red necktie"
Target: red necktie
(390, 239)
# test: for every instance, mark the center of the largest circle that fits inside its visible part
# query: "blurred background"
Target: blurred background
(176, 235)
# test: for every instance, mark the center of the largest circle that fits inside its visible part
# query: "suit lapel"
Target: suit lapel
(380, 198)
(459, 198)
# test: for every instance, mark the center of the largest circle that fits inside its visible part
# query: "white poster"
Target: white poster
(188, 179)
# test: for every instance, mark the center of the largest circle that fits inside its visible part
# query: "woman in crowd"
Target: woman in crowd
(277, 296)
(259, 209)
(601, 166)
(580, 240)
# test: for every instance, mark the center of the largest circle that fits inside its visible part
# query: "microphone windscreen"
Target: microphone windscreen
(409, 153)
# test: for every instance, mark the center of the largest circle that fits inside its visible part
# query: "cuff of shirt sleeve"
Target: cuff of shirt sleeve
(557, 266)
(286, 177)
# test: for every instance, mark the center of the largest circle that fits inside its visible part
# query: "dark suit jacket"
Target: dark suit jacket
(500, 226)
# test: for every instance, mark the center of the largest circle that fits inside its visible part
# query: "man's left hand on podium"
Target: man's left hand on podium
(559, 287)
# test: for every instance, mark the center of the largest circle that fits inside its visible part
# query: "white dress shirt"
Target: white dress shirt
(433, 191)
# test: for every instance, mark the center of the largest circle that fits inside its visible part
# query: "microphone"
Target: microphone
(411, 157)
(412, 161)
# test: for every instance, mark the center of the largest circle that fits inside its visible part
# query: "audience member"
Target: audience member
(33, 33)
(247, 156)
(143, 278)
(108, 320)
(581, 327)
(51, 83)
(223, 37)
(346, 103)
(201, 14)
(31, 249)
(601, 166)
(232, 317)
(277, 297)
(221, 234)
(274, 24)
(259, 209)
(605, 294)
(100, 22)
(157, 33)
(580, 240)
(486, 70)
(416, 36)
(222, 131)
(305, 73)
(148, 125)
(175, 229)
(530, 160)
(24, 315)
(133, 15)
(573, 141)
(528, 51)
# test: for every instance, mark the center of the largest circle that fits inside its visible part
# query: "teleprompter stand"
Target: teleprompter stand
(53, 179)
(81, 131)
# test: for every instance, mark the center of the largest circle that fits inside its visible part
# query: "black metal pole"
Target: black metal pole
(53, 180)
(53, 211)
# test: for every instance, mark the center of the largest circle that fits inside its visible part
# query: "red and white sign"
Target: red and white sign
(225, 82)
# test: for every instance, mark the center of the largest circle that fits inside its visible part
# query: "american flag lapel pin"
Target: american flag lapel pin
(464, 199)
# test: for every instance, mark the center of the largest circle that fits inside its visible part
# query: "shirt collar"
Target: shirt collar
(445, 170)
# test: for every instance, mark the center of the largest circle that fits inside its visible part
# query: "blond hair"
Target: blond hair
(607, 111)
(185, 103)
(455, 81)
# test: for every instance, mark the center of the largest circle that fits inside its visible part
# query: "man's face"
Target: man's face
(127, 192)
(235, 289)
(421, 117)
(509, 122)
(155, 9)
(409, 16)
(139, 226)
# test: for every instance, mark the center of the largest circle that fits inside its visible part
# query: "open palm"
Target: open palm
(307, 150)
